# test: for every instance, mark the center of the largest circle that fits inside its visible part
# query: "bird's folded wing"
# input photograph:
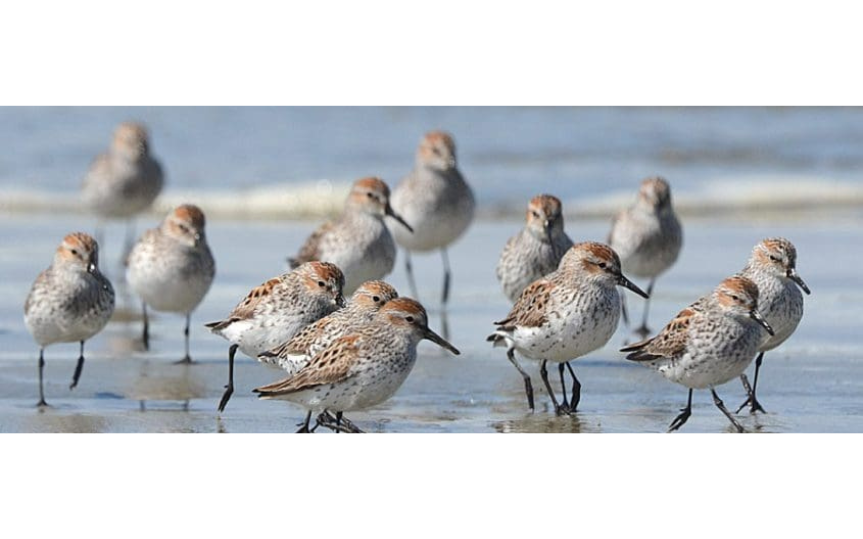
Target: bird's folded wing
(331, 366)
(246, 308)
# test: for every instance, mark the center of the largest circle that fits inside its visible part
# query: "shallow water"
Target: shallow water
(813, 383)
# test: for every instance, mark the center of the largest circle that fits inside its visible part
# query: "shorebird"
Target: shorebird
(171, 268)
(358, 242)
(361, 369)
(707, 344)
(70, 301)
(436, 201)
(536, 250)
(125, 180)
(773, 267)
(274, 312)
(648, 238)
(565, 315)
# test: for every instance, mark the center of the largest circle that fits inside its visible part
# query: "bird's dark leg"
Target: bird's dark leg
(680, 420)
(576, 389)
(145, 338)
(528, 386)
(751, 399)
(229, 389)
(41, 402)
(410, 270)
(719, 404)
(187, 358)
(304, 426)
(444, 323)
(447, 276)
(78, 368)
(644, 331)
(544, 373)
(565, 404)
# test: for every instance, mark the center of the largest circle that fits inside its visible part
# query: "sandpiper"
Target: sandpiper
(359, 242)
(773, 267)
(274, 312)
(359, 311)
(648, 237)
(70, 301)
(125, 180)
(565, 315)
(171, 267)
(436, 201)
(536, 250)
(361, 369)
(707, 344)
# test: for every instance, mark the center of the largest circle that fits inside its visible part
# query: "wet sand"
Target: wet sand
(813, 383)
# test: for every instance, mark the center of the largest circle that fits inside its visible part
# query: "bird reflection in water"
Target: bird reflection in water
(540, 423)
(167, 382)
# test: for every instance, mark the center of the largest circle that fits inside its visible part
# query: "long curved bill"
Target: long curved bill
(623, 281)
(389, 211)
(794, 276)
(755, 315)
(438, 340)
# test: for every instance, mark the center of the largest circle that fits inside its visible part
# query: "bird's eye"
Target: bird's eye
(602, 265)
(535, 214)
(322, 284)
(370, 195)
(774, 258)
(376, 298)
(735, 298)
(75, 252)
(410, 319)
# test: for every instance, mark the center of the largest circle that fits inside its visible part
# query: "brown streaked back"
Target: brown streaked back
(246, 308)
(330, 366)
(530, 309)
(670, 342)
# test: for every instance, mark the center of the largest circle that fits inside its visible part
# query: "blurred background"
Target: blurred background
(290, 162)
(266, 177)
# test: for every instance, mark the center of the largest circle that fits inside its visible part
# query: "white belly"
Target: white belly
(580, 330)
(702, 374)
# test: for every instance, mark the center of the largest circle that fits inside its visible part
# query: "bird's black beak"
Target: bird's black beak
(794, 276)
(389, 211)
(623, 281)
(438, 340)
(755, 315)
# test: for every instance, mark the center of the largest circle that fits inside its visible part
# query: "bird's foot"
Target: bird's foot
(680, 420)
(563, 409)
(754, 406)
